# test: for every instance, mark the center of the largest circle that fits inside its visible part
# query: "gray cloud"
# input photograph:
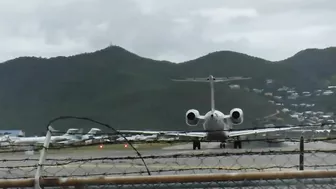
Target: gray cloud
(174, 30)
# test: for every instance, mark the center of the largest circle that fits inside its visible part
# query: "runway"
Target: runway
(211, 160)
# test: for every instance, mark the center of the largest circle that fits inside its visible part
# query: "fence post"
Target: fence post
(42, 158)
(301, 163)
(301, 184)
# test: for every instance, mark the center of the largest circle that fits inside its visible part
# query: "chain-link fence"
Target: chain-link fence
(122, 168)
(301, 163)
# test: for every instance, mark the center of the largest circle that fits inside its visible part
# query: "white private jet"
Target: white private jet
(216, 124)
(87, 138)
(8, 140)
(138, 138)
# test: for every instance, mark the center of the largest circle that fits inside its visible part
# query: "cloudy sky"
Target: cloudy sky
(175, 30)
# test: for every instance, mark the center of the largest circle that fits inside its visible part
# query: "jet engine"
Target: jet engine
(236, 116)
(192, 117)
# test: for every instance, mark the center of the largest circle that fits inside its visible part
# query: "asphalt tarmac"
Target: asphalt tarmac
(112, 162)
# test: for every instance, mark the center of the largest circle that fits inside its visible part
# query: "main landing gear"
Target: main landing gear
(196, 144)
(237, 143)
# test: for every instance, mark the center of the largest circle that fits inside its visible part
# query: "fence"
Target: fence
(301, 166)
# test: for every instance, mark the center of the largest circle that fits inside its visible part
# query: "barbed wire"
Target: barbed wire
(94, 142)
(118, 132)
(101, 124)
(84, 163)
(109, 137)
(100, 162)
(100, 159)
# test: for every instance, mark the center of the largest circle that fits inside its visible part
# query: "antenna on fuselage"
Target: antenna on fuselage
(211, 79)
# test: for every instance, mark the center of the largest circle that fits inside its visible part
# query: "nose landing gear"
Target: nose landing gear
(222, 145)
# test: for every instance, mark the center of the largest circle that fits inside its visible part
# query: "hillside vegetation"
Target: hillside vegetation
(127, 91)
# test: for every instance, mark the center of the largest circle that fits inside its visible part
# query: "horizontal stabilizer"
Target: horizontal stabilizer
(214, 79)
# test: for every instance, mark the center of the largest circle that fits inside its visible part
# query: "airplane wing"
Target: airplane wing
(140, 132)
(187, 134)
(257, 131)
(165, 133)
(203, 134)
(205, 79)
(231, 133)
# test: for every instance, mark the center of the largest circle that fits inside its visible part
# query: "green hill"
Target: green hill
(131, 92)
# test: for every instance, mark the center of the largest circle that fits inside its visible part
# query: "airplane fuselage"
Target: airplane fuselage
(34, 140)
(27, 140)
(217, 126)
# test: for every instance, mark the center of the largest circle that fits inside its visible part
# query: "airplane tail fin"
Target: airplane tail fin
(80, 131)
(212, 80)
(71, 131)
(79, 134)
(93, 131)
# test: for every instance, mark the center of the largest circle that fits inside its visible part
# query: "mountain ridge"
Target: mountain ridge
(134, 92)
(200, 57)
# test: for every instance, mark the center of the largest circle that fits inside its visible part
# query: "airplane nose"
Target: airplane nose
(212, 115)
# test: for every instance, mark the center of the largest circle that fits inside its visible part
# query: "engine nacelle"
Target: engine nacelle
(192, 117)
(237, 116)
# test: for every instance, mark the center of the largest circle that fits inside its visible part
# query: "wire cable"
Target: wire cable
(103, 124)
